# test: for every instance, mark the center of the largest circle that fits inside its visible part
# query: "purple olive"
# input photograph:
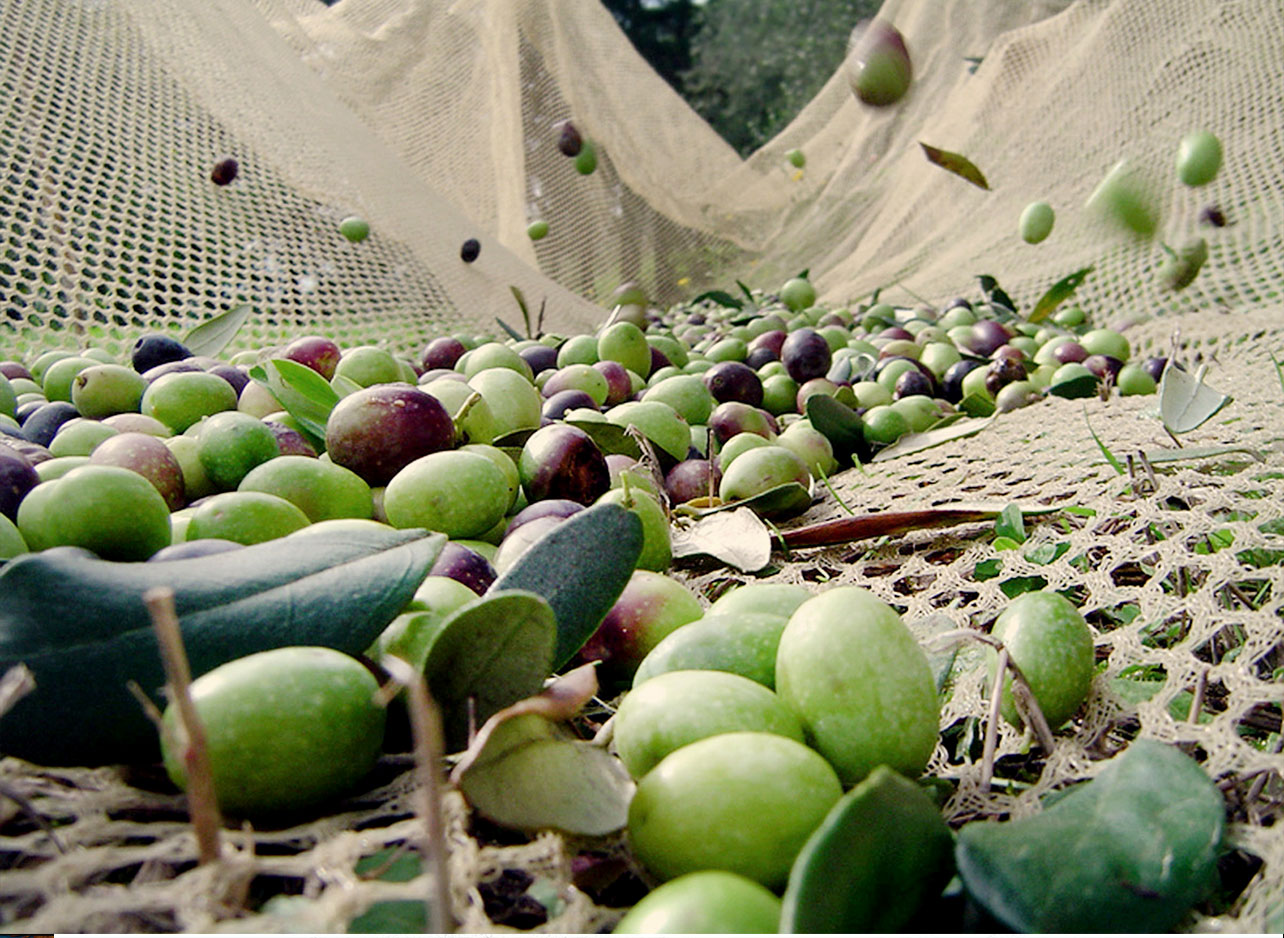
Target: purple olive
(156, 349)
(462, 563)
(1154, 366)
(548, 507)
(224, 172)
(378, 430)
(167, 368)
(556, 406)
(619, 386)
(1002, 372)
(805, 354)
(539, 357)
(732, 417)
(1069, 351)
(569, 139)
(17, 478)
(289, 440)
(734, 381)
(772, 339)
(987, 335)
(1105, 367)
(12, 369)
(691, 479)
(952, 380)
(43, 422)
(234, 375)
(442, 352)
(914, 383)
(470, 250)
(896, 332)
(562, 461)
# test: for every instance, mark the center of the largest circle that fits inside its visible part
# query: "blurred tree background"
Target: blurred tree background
(745, 66)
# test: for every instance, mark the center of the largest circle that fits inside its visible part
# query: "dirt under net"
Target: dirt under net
(434, 121)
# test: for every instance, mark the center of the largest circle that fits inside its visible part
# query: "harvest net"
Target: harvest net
(436, 122)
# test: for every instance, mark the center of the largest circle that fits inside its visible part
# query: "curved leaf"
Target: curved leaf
(1057, 294)
(530, 777)
(880, 854)
(580, 567)
(1133, 850)
(304, 394)
(488, 654)
(214, 334)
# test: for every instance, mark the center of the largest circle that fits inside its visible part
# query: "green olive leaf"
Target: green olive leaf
(995, 295)
(956, 163)
(305, 395)
(956, 429)
(1133, 850)
(721, 297)
(488, 654)
(1057, 294)
(579, 567)
(529, 775)
(977, 405)
(880, 855)
(1010, 524)
(1185, 402)
(1073, 388)
(214, 334)
(840, 425)
(611, 438)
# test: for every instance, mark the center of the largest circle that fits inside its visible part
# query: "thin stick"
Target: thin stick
(1197, 700)
(425, 724)
(1028, 708)
(992, 722)
(202, 803)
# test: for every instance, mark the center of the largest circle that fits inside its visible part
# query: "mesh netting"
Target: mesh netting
(435, 121)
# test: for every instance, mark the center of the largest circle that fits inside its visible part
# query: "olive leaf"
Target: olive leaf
(994, 294)
(391, 917)
(956, 163)
(1185, 402)
(610, 438)
(580, 567)
(488, 654)
(305, 395)
(721, 297)
(737, 538)
(917, 442)
(1057, 294)
(883, 523)
(214, 334)
(532, 777)
(1010, 524)
(880, 855)
(839, 424)
(1132, 850)
(1080, 386)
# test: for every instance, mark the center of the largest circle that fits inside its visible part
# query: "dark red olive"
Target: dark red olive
(224, 171)
(569, 140)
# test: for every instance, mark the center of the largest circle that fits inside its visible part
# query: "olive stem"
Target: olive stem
(992, 722)
(1197, 698)
(425, 725)
(202, 802)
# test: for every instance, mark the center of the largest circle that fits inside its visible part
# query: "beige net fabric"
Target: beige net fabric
(115, 114)
(435, 122)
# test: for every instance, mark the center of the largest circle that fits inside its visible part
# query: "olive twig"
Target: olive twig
(425, 726)
(992, 722)
(202, 802)
(1197, 699)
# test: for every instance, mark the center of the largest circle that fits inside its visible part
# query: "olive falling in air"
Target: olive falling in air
(469, 250)
(569, 140)
(224, 171)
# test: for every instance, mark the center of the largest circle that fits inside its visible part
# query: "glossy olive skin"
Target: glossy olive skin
(379, 430)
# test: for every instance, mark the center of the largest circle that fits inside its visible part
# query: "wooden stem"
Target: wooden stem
(425, 724)
(202, 803)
